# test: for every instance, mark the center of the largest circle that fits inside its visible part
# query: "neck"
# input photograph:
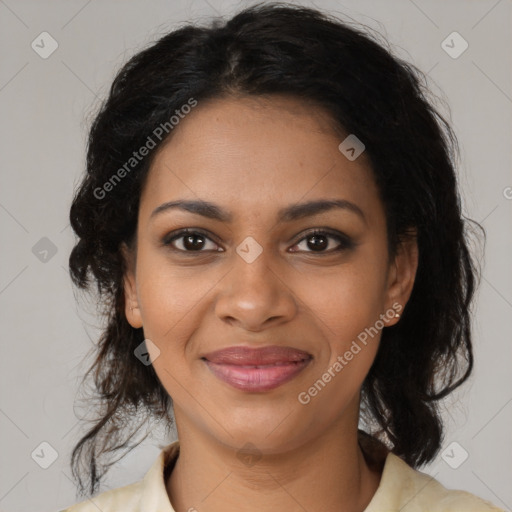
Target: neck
(329, 473)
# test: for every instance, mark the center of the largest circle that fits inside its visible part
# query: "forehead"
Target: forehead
(256, 154)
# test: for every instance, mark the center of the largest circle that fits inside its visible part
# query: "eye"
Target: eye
(319, 240)
(188, 240)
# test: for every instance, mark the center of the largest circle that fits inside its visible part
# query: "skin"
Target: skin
(252, 157)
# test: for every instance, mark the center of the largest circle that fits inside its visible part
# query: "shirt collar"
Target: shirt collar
(154, 495)
(390, 493)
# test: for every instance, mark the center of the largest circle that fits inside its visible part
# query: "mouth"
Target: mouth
(257, 370)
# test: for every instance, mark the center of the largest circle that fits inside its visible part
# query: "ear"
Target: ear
(132, 310)
(401, 275)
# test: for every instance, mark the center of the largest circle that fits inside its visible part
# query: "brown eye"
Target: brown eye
(321, 242)
(190, 241)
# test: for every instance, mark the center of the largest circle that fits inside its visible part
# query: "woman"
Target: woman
(271, 215)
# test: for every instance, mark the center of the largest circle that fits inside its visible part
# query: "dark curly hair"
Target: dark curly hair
(279, 48)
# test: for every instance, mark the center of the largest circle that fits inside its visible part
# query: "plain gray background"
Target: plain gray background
(46, 106)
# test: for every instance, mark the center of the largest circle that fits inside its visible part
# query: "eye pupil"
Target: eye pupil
(319, 242)
(190, 245)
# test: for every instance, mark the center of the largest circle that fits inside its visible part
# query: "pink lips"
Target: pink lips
(259, 369)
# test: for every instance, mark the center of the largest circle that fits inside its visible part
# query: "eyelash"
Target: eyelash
(345, 242)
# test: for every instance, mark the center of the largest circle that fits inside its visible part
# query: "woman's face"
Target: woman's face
(255, 277)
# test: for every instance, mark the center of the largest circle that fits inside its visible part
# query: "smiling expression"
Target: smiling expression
(250, 180)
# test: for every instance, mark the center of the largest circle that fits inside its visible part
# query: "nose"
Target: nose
(253, 296)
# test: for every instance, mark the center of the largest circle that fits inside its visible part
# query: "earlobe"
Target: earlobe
(132, 310)
(402, 275)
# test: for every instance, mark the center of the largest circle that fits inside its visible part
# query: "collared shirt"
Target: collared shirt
(402, 488)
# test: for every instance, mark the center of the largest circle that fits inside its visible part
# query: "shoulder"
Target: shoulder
(125, 498)
(146, 494)
(403, 487)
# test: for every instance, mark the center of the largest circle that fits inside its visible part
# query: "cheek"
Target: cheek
(348, 300)
(170, 307)
(347, 308)
(170, 296)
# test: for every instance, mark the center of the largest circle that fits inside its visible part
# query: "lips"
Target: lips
(257, 370)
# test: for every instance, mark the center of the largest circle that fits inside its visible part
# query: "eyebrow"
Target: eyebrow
(286, 214)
